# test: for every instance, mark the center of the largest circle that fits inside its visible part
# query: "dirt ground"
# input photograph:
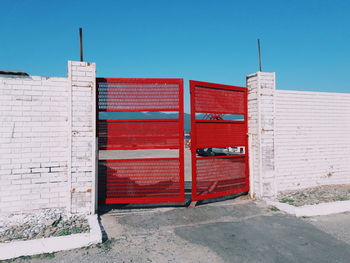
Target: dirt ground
(316, 195)
(230, 231)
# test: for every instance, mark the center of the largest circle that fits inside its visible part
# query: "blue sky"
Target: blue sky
(307, 43)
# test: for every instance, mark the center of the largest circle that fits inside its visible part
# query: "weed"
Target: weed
(18, 237)
(68, 231)
(47, 255)
(63, 232)
(287, 201)
(76, 230)
(107, 245)
(274, 209)
(99, 245)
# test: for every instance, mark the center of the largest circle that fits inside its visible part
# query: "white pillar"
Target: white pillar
(82, 181)
(261, 126)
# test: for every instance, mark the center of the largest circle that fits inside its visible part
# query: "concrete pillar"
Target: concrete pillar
(82, 181)
(261, 126)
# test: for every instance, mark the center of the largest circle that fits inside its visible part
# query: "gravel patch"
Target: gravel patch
(44, 223)
(316, 195)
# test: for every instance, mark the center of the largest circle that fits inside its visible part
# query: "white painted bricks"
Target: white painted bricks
(47, 141)
(312, 139)
(82, 140)
(261, 88)
(297, 139)
(33, 143)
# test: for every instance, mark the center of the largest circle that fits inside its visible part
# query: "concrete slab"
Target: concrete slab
(313, 210)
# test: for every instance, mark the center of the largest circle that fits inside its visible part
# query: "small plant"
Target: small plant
(18, 237)
(107, 245)
(46, 255)
(274, 209)
(75, 230)
(63, 232)
(287, 201)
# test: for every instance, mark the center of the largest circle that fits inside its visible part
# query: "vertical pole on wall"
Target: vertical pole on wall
(81, 43)
(259, 54)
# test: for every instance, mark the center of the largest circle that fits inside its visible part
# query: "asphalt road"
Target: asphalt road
(229, 231)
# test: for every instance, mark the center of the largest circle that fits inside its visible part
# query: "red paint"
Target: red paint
(146, 180)
(220, 134)
(120, 94)
(142, 180)
(218, 175)
(138, 134)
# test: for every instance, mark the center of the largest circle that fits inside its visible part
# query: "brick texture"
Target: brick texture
(261, 107)
(312, 139)
(82, 77)
(47, 141)
(297, 139)
(33, 143)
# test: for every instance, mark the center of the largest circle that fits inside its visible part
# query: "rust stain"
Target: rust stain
(89, 190)
(24, 99)
(329, 174)
(73, 190)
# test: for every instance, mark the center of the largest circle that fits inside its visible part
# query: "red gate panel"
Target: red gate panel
(222, 173)
(146, 180)
(138, 134)
(139, 180)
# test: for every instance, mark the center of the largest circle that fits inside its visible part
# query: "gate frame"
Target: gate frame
(193, 135)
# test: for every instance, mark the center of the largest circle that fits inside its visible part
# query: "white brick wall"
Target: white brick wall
(33, 143)
(297, 139)
(47, 141)
(312, 139)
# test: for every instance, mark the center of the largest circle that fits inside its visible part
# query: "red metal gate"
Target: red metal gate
(219, 141)
(141, 180)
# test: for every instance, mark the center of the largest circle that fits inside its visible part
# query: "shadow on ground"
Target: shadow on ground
(106, 208)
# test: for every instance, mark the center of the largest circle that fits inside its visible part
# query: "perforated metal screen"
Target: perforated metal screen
(138, 134)
(222, 171)
(138, 95)
(141, 180)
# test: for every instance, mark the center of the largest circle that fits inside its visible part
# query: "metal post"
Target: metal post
(81, 43)
(259, 54)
